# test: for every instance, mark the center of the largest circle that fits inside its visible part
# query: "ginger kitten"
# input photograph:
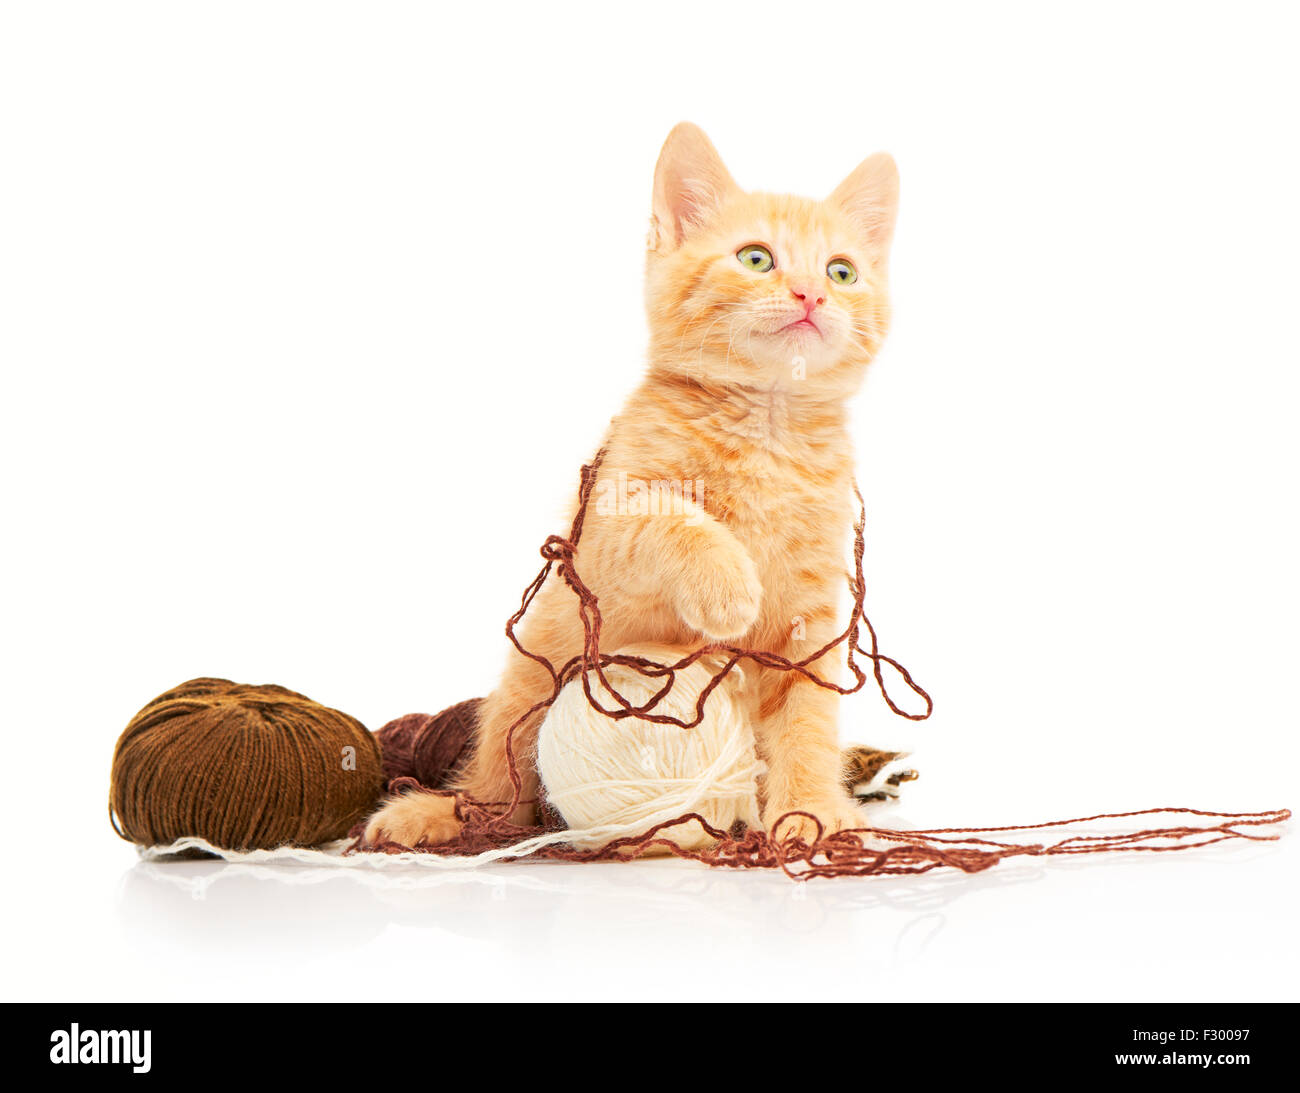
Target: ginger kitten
(764, 313)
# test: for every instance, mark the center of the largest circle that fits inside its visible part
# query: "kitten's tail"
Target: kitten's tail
(874, 775)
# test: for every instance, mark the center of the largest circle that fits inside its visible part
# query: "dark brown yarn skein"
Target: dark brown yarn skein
(244, 767)
(429, 747)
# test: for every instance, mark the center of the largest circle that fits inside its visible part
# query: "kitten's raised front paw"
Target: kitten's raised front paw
(414, 819)
(839, 814)
(723, 598)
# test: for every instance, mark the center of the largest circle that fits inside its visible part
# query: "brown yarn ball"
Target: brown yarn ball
(244, 767)
(429, 747)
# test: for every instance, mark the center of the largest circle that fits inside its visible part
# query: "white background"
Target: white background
(310, 313)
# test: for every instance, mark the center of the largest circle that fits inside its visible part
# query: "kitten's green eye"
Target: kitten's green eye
(757, 258)
(841, 271)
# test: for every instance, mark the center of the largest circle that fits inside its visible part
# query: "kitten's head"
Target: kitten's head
(760, 289)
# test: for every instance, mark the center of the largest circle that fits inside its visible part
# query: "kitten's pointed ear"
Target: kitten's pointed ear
(870, 196)
(691, 182)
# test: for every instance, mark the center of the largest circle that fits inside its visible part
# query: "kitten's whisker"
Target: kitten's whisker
(749, 330)
(727, 310)
(698, 315)
(693, 318)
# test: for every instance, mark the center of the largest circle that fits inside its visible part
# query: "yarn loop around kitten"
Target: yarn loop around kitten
(243, 767)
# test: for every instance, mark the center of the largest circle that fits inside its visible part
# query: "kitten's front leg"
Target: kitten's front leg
(690, 561)
(798, 736)
(717, 590)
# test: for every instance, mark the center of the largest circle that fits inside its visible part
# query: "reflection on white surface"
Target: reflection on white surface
(1129, 926)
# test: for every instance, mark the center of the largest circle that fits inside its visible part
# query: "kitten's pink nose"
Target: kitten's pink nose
(808, 296)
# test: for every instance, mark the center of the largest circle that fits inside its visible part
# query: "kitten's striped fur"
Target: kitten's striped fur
(757, 415)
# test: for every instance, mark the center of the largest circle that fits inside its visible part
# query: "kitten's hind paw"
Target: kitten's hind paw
(414, 819)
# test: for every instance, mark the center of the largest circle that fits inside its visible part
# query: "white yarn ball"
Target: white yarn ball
(609, 778)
